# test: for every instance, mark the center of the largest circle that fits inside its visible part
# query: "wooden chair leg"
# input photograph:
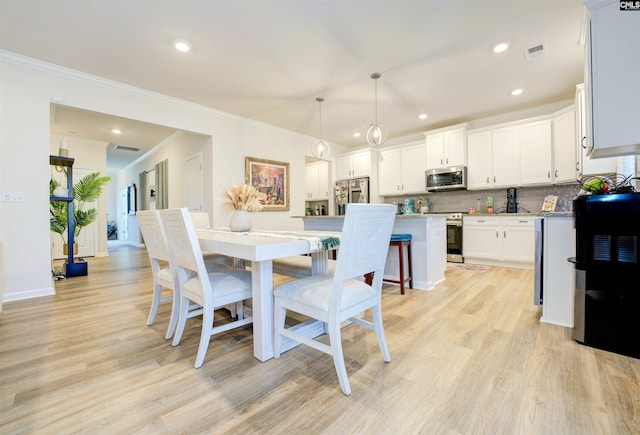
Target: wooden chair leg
(410, 269)
(401, 264)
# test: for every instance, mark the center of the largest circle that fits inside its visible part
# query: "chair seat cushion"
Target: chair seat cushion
(165, 275)
(400, 237)
(314, 291)
(222, 283)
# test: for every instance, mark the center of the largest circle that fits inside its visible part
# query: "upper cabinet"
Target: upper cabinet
(493, 158)
(401, 169)
(480, 161)
(565, 146)
(505, 155)
(316, 178)
(535, 152)
(446, 147)
(354, 165)
(612, 66)
(510, 155)
(587, 165)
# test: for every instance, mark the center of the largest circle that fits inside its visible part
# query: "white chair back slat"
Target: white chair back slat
(365, 240)
(183, 241)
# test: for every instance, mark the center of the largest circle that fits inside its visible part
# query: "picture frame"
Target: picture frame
(271, 178)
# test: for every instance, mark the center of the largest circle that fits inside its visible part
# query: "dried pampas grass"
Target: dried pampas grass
(245, 197)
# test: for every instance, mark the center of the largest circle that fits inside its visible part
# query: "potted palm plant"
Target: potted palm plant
(87, 189)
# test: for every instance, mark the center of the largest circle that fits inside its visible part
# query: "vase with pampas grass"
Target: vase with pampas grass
(243, 199)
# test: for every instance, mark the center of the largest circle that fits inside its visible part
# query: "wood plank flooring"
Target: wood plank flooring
(469, 357)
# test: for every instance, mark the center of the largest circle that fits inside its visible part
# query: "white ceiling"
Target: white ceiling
(268, 60)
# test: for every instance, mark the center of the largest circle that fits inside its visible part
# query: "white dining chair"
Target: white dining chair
(343, 295)
(201, 221)
(210, 290)
(164, 275)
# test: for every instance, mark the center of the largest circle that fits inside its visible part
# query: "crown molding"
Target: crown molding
(28, 62)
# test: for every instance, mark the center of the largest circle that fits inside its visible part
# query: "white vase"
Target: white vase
(240, 221)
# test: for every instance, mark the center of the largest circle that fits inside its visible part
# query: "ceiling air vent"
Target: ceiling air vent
(535, 51)
(125, 148)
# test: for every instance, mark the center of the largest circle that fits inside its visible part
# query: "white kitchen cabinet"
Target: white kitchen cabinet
(317, 181)
(446, 148)
(587, 165)
(499, 240)
(535, 152)
(479, 158)
(565, 146)
(401, 169)
(493, 158)
(505, 156)
(481, 237)
(612, 65)
(518, 239)
(354, 165)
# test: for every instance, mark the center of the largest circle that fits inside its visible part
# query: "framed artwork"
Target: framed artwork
(271, 178)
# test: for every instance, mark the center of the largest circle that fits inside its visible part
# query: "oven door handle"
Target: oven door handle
(454, 223)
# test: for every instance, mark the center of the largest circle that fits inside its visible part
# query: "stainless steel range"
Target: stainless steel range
(454, 238)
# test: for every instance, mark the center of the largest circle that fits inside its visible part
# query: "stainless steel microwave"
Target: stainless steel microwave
(453, 178)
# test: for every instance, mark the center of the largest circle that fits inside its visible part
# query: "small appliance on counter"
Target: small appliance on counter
(512, 200)
(408, 206)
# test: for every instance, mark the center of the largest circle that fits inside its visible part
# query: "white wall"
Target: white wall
(28, 87)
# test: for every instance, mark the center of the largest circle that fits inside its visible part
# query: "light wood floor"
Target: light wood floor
(469, 357)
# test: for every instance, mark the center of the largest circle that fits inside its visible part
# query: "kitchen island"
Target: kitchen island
(428, 245)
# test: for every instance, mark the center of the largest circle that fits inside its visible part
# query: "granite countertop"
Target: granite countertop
(547, 214)
(556, 214)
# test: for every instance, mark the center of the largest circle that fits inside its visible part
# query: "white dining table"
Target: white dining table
(260, 247)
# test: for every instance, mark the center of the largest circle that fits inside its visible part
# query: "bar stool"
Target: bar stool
(402, 240)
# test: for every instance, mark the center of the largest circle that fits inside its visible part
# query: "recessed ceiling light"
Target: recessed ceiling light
(116, 131)
(516, 92)
(182, 46)
(499, 48)
(423, 116)
(356, 134)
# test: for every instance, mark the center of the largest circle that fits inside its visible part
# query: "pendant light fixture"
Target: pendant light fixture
(377, 133)
(320, 148)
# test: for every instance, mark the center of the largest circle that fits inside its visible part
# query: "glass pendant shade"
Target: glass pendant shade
(320, 148)
(377, 133)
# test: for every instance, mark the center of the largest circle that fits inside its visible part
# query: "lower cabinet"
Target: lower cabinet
(499, 240)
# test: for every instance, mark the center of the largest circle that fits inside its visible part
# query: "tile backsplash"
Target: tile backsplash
(529, 199)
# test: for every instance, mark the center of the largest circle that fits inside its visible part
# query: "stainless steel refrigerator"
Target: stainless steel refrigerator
(354, 190)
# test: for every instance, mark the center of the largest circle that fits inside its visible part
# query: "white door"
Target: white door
(87, 239)
(193, 182)
(123, 222)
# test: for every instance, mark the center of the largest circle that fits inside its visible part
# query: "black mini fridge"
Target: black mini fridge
(607, 267)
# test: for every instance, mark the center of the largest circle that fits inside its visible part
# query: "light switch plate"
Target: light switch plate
(12, 197)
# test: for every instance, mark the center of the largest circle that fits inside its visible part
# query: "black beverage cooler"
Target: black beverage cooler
(607, 267)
